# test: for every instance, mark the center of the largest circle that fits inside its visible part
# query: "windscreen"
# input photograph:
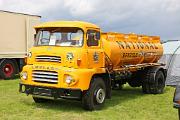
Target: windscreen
(59, 37)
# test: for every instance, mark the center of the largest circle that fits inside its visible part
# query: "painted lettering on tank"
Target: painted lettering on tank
(147, 45)
(156, 47)
(133, 45)
(141, 45)
(125, 55)
(138, 45)
(151, 46)
(120, 45)
(128, 45)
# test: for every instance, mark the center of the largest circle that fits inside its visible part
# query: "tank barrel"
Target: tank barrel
(128, 49)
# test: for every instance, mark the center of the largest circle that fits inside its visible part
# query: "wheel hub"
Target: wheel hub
(8, 69)
(100, 96)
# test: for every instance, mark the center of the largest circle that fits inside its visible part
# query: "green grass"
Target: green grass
(126, 104)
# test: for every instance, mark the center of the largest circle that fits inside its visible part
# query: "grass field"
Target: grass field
(126, 104)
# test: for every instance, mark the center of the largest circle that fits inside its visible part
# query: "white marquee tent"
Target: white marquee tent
(171, 58)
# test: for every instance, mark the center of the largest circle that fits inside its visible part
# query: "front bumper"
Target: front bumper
(50, 92)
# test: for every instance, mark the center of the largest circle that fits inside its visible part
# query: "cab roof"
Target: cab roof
(79, 24)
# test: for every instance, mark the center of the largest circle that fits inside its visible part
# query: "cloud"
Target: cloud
(79, 7)
(151, 17)
(28, 6)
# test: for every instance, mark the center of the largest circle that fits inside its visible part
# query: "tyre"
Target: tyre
(154, 82)
(146, 88)
(136, 79)
(39, 100)
(8, 68)
(94, 97)
(159, 83)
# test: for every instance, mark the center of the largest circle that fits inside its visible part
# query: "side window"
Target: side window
(93, 38)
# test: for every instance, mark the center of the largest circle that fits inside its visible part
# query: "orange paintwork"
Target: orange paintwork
(131, 49)
(122, 49)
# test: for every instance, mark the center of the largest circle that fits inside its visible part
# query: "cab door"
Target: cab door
(95, 51)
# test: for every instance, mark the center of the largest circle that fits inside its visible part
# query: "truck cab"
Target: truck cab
(74, 60)
(64, 59)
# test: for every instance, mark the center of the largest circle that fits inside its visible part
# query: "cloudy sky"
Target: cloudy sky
(151, 17)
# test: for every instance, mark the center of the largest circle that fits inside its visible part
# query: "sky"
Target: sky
(150, 17)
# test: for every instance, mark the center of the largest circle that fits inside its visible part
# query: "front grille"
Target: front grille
(45, 77)
(48, 59)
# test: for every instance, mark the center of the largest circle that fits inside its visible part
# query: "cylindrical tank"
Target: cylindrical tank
(131, 49)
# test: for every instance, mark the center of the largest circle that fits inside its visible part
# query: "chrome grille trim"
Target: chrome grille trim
(48, 58)
(45, 76)
(45, 72)
(44, 80)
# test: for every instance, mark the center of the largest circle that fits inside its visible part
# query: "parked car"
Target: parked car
(176, 99)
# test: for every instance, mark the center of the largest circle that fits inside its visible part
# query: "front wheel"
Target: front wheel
(94, 98)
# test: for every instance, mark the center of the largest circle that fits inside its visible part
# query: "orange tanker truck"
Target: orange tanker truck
(75, 60)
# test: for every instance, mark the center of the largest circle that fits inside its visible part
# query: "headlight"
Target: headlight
(24, 75)
(29, 54)
(69, 56)
(68, 79)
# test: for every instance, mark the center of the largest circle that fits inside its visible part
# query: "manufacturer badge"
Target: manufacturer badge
(96, 57)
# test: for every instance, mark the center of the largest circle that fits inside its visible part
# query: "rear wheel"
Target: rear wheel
(159, 83)
(8, 68)
(154, 82)
(94, 98)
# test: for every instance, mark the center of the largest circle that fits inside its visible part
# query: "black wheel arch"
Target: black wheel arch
(159, 68)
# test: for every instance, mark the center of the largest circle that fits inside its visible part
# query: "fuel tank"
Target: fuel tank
(130, 49)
